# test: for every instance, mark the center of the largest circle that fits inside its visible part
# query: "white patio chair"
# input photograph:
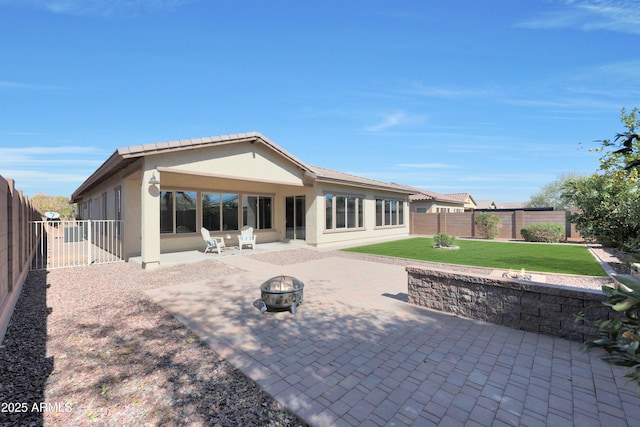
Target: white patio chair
(246, 238)
(213, 243)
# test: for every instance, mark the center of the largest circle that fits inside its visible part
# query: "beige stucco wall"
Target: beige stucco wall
(245, 161)
(433, 206)
(369, 232)
(243, 168)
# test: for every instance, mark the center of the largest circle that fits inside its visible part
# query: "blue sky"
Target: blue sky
(489, 97)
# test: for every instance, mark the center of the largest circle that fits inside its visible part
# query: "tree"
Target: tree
(609, 210)
(608, 202)
(550, 195)
(488, 225)
(45, 203)
(625, 159)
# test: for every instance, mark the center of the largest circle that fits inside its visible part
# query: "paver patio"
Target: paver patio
(356, 354)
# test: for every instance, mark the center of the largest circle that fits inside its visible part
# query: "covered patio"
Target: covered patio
(166, 192)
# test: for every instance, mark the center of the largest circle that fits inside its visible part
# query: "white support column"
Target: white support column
(150, 220)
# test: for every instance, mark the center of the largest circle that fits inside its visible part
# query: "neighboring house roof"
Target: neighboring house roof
(485, 204)
(123, 157)
(463, 197)
(421, 195)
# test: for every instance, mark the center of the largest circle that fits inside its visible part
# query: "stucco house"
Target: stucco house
(486, 204)
(425, 201)
(466, 198)
(165, 192)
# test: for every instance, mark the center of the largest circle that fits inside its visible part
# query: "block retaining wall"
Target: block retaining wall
(528, 306)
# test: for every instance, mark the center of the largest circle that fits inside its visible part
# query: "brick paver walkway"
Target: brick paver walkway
(355, 354)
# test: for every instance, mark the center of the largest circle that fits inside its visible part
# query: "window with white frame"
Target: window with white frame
(343, 212)
(389, 212)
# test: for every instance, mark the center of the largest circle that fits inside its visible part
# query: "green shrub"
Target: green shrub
(443, 240)
(620, 336)
(547, 232)
(488, 225)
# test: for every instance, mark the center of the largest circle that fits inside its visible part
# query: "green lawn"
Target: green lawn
(558, 258)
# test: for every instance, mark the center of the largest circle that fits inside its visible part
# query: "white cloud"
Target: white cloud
(34, 163)
(30, 177)
(588, 15)
(505, 177)
(396, 119)
(389, 121)
(4, 84)
(426, 165)
(446, 92)
(106, 8)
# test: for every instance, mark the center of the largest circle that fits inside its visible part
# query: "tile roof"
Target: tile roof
(420, 194)
(328, 175)
(125, 156)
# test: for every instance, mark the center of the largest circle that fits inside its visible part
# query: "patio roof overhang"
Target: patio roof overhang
(178, 171)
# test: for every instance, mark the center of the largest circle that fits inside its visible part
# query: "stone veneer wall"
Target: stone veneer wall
(528, 306)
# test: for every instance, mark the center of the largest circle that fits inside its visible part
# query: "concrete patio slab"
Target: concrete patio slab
(356, 353)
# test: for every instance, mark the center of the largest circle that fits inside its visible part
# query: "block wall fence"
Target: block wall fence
(16, 247)
(462, 224)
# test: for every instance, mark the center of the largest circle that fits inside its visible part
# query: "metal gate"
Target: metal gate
(75, 243)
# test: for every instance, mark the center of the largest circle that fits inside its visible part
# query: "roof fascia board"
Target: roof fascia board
(363, 185)
(108, 165)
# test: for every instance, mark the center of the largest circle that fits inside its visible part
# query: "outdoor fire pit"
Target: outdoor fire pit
(281, 293)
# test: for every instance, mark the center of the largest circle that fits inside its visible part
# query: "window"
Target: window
(421, 210)
(343, 212)
(257, 211)
(389, 212)
(118, 202)
(186, 212)
(220, 211)
(166, 212)
(328, 214)
(103, 202)
(177, 212)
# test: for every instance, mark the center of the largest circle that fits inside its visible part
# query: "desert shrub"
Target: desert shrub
(488, 225)
(620, 335)
(547, 232)
(443, 239)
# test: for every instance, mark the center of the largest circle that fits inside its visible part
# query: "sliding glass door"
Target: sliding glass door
(295, 211)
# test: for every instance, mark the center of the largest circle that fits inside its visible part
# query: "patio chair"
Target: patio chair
(213, 243)
(247, 238)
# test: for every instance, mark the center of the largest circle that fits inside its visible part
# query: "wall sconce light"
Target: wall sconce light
(154, 180)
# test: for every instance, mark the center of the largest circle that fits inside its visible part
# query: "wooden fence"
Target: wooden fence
(16, 247)
(462, 224)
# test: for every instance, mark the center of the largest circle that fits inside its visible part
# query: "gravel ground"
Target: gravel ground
(89, 344)
(85, 346)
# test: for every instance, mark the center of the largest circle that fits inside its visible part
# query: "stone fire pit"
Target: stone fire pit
(281, 293)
